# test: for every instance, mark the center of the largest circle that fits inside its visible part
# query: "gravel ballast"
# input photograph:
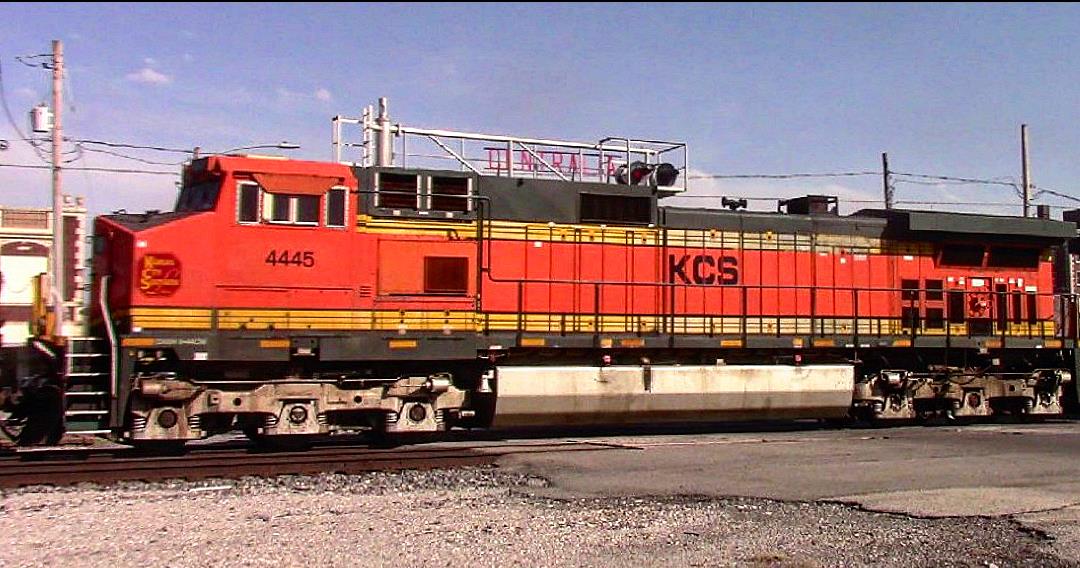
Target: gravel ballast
(475, 516)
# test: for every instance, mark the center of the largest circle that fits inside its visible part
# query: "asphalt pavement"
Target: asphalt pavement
(1026, 472)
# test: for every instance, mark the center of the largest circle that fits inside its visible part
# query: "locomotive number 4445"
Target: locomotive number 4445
(303, 258)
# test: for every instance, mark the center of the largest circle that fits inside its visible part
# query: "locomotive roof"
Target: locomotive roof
(895, 223)
(971, 223)
(762, 221)
(543, 200)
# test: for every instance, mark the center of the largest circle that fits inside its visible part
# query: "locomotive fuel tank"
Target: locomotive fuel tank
(537, 396)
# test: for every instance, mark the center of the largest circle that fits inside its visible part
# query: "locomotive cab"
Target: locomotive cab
(239, 223)
(251, 281)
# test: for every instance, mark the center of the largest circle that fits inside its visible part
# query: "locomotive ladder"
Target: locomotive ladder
(86, 385)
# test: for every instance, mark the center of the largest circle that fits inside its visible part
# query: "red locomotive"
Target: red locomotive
(546, 283)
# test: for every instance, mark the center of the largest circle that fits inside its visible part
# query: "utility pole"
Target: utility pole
(886, 180)
(1026, 166)
(58, 279)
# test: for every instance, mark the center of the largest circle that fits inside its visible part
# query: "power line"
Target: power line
(24, 60)
(1042, 190)
(970, 203)
(132, 146)
(78, 151)
(938, 183)
(92, 169)
(11, 119)
(125, 156)
(953, 179)
(760, 198)
(783, 176)
(924, 181)
(961, 180)
(919, 179)
(903, 201)
(934, 178)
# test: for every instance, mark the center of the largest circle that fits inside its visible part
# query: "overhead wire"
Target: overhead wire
(127, 157)
(783, 176)
(1055, 193)
(24, 60)
(14, 125)
(962, 180)
(78, 151)
(899, 202)
(132, 146)
(912, 178)
(93, 169)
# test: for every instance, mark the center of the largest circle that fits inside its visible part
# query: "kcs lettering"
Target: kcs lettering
(704, 269)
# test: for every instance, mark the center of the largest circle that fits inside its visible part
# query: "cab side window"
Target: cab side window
(292, 209)
(336, 206)
(255, 205)
(247, 210)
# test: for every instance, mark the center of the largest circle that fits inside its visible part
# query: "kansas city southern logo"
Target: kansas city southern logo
(703, 269)
(159, 274)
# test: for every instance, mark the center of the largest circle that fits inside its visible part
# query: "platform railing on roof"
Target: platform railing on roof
(388, 144)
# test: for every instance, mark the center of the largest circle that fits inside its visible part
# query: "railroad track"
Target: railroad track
(71, 466)
(237, 457)
(68, 467)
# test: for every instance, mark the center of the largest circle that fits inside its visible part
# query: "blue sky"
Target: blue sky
(752, 88)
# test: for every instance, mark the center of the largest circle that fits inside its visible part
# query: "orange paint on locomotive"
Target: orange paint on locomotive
(267, 265)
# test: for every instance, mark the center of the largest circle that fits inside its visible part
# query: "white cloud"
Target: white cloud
(150, 62)
(286, 95)
(148, 75)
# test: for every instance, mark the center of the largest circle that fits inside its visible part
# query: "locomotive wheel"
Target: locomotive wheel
(38, 419)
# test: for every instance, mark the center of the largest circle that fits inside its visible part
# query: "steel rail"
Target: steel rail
(67, 466)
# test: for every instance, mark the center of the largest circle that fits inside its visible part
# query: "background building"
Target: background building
(25, 246)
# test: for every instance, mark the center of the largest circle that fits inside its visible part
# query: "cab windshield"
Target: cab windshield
(199, 197)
